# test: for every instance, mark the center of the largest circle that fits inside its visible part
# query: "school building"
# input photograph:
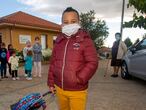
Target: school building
(19, 27)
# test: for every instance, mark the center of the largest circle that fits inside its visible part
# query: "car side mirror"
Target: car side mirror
(133, 50)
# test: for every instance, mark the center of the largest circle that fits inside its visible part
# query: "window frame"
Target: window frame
(139, 46)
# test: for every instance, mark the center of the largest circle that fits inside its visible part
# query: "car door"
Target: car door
(138, 60)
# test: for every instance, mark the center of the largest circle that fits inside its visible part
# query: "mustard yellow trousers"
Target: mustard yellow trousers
(71, 100)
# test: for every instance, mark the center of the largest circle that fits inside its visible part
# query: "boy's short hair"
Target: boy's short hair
(118, 34)
(70, 9)
(37, 38)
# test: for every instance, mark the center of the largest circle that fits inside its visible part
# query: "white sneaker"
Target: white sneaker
(40, 76)
(17, 78)
(13, 79)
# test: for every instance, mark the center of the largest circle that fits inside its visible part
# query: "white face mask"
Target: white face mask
(37, 42)
(70, 29)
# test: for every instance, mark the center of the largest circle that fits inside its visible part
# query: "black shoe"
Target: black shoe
(114, 75)
(5, 76)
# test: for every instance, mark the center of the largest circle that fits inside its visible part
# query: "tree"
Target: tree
(137, 40)
(97, 28)
(138, 20)
(128, 42)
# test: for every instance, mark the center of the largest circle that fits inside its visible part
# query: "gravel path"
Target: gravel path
(105, 93)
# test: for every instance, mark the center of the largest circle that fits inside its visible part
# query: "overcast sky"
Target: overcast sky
(108, 10)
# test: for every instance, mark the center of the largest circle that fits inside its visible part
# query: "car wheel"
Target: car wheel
(124, 71)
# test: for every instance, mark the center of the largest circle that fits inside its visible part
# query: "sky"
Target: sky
(51, 10)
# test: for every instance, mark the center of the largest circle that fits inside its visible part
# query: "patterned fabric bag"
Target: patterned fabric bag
(31, 101)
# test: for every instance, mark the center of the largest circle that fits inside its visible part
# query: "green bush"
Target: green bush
(46, 54)
(20, 55)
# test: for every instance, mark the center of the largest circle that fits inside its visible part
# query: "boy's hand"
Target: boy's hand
(52, 89)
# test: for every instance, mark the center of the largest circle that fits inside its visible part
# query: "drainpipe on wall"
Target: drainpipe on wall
(10, 35)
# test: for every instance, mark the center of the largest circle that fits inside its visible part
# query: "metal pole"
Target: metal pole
(122, 17)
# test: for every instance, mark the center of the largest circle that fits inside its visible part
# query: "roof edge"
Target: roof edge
(30, 27)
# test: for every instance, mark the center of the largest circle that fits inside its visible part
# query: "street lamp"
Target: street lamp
(122, 17)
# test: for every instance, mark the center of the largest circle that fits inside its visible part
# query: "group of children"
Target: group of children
(8, 56)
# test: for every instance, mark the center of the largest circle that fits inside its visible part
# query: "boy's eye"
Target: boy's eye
(73, 22)
(65, 22)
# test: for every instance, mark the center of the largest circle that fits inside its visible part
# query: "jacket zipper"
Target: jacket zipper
(64, 58)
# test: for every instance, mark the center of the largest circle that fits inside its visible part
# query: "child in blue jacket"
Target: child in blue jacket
(29, 64)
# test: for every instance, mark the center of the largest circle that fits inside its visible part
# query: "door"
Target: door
(44, 41)
(138, 60)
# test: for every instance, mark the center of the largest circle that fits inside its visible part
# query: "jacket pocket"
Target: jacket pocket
(78, 80)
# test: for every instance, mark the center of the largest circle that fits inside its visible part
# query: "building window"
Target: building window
(24, 38)
(44, 41)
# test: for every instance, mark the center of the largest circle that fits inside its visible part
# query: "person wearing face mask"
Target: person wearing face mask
(74, 61)
(118, 51)
(37, 52)
(27, 48)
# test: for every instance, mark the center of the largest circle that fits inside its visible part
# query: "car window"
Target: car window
(141, 45)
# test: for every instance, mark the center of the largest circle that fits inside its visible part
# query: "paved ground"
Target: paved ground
(105, 93)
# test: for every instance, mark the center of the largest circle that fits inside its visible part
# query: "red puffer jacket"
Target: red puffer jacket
(74, 61)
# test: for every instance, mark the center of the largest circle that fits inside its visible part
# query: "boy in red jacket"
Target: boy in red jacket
(74, 61)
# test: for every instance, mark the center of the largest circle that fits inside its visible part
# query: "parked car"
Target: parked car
(134, 62)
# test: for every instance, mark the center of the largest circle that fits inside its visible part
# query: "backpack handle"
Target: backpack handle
(46, 93)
